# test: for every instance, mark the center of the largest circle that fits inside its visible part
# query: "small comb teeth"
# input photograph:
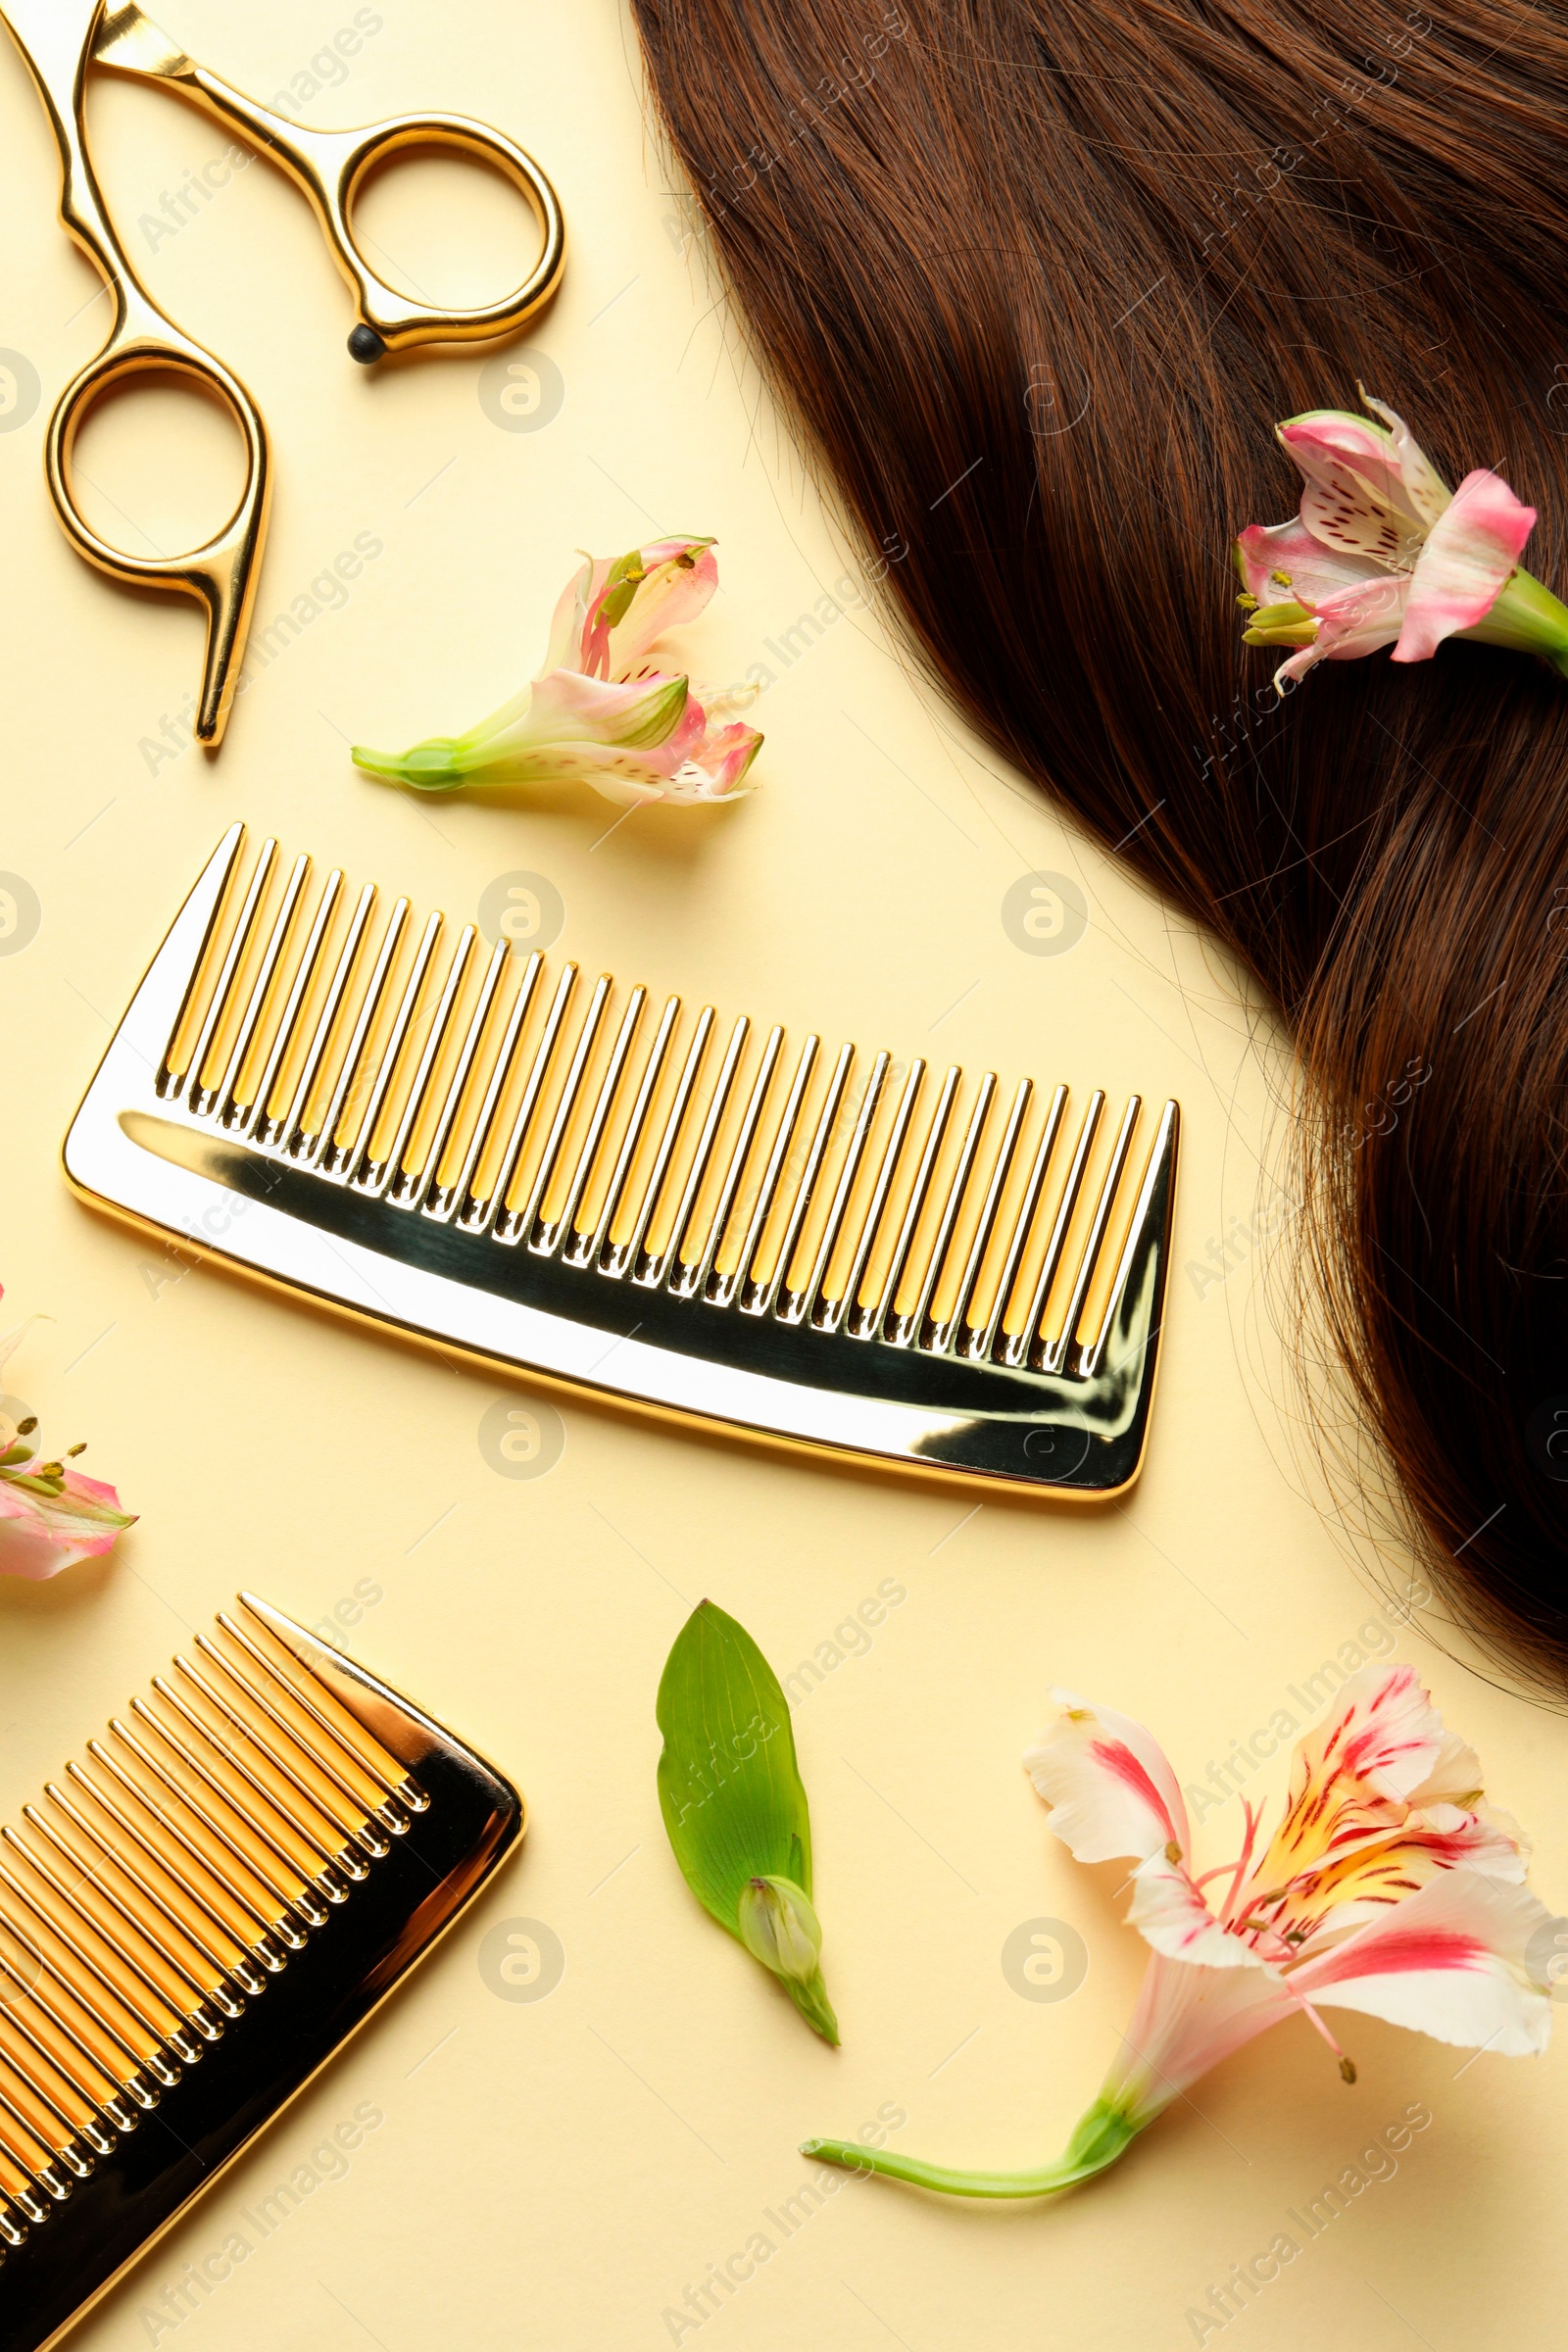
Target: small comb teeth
(579, 1244)
(724, 1288)
(887, 1325)
(364, 1173)
(765, 1300)
(202, 1099)
(257, 1121)
(230, 1111)
(682, 1276)
(290, 1133)
(456, 1200)
(1013, 1238)
(619, 1256)
(631, 1142)
(325, 1152)
(157, 1890)
(701, 1282)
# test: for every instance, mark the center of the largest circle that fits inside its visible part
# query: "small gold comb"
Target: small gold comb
(192, 1920)
(868, 1261)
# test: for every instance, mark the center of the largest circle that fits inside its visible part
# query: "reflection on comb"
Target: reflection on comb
(192, 1919)
(866, 1258)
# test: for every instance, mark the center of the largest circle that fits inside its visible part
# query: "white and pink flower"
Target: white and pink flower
(605, 711)
(1383, 553)
(1389, 1887)
(51, 1516)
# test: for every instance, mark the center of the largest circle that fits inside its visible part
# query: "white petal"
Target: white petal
(1450, 1961)
(1171, 1914)
(1112, 1790)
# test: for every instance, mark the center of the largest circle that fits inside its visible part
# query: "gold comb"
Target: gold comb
(869, 1262)
(193, 1921)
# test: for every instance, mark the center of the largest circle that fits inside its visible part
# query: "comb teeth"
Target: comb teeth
(821, 1199)
(160, 1888)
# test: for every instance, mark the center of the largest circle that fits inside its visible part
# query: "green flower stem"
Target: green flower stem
(1103, 2134)
(1529, 619)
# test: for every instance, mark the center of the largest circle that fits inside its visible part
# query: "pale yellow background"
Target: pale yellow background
(553, 2176)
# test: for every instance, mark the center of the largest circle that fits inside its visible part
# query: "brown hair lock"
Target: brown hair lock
(1076, 256)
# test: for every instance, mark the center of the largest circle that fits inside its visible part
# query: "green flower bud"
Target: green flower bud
(778, 1927)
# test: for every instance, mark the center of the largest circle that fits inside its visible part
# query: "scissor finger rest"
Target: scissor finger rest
(221, 574)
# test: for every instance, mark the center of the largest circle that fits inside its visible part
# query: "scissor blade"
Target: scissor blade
(133, 43)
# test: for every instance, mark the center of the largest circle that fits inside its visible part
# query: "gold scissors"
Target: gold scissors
(60, 39)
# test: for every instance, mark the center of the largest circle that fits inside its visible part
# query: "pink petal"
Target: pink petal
(1450, 1961)
(674, 592)
(1108, 1784)
(1425, 488)
(1314, 572)
(1473, 548)
(1358, 620)
(1356, 498)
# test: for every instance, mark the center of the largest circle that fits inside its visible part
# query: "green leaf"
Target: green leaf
(729, 1786)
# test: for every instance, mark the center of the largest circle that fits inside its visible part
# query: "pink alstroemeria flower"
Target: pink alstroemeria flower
(1383, 553)
(603, 710)
(50, 1516)
(1388, 1887)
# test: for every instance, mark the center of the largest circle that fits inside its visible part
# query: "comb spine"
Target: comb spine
(768, 1303)
(629, 1253)
(630, 1141)
(725, 1285)
(1093, 1354)
(403, 1189)
(562, 1229)
(232, 1112)
(886, 1313)
(857, 1322)
(256, 1121)
(682, 1277)
(1053, 1355)
(289, 1135)
(982, 1344)
(750, 1119)
(1019, 1349)
(201, 1099)
(521, 1224)
(809, 1306)
(325, 1155)
(943, 1339)
(453, 1202)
